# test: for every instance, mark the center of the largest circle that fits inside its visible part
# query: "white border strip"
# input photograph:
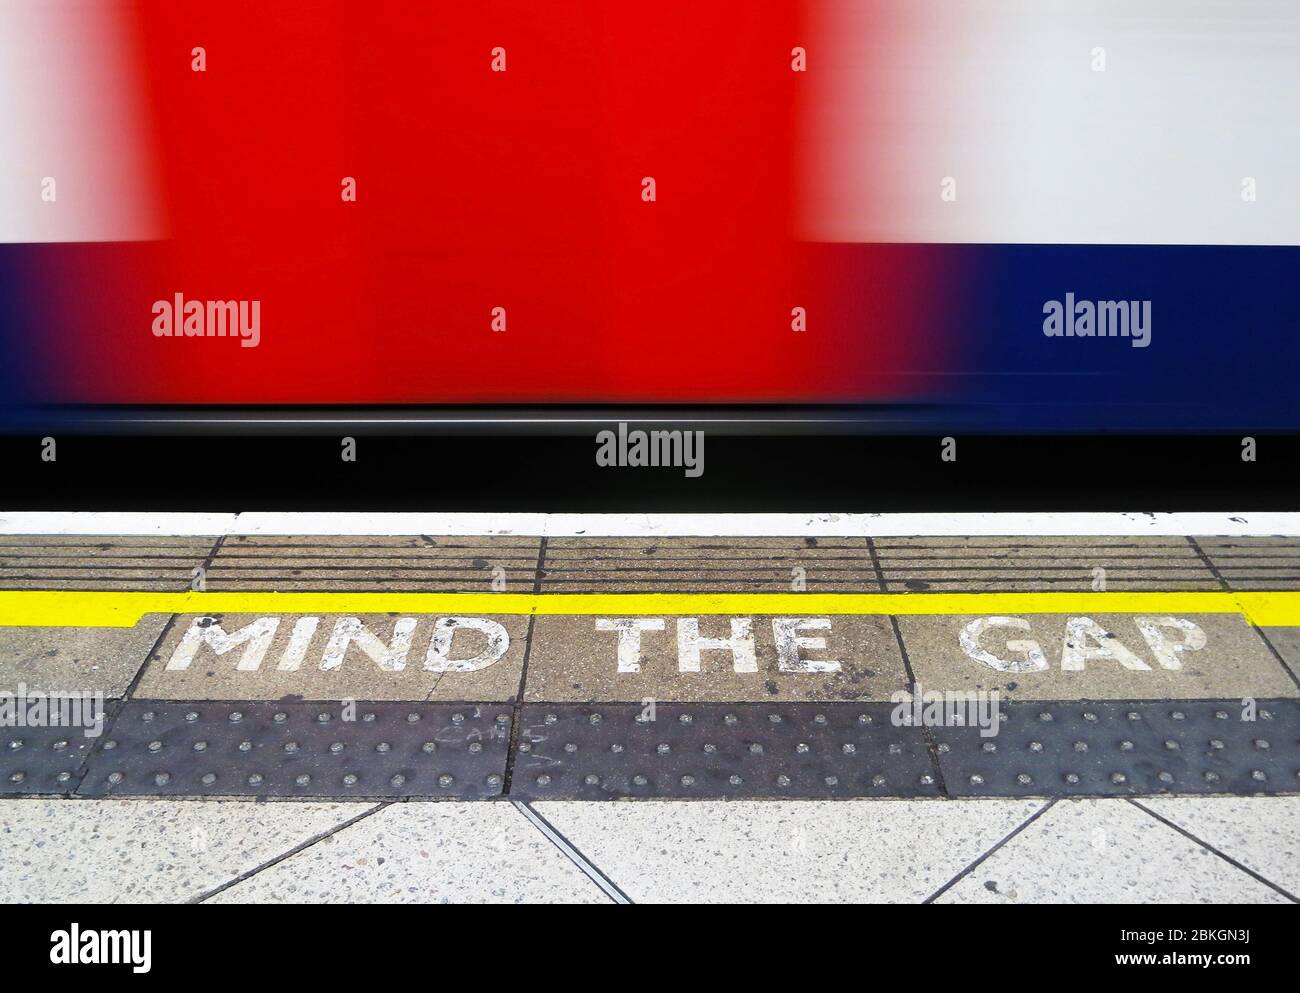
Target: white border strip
(667, 525)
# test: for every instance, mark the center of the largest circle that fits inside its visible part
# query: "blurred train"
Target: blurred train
(995, 215)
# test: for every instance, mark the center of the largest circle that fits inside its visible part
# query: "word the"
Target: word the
(787, 632)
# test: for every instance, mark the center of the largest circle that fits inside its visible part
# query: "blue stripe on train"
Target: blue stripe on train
(1225, 336)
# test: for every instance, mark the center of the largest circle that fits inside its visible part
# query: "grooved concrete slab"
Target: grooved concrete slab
(572, 658)
(70, 562)
(990, 563)
(77, 660)
(1262, 833)
(1105, 851)
(1105, 656)
(791, 851)
(145, 851)
(1255, 563)
(773, 565)
(426, 853)
(382, 563)
(332, 657)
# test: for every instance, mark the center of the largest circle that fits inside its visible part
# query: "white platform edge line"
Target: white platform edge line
(1244, 524)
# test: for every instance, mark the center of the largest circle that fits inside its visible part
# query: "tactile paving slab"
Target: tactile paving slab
(45, 760)
(605, 751)
(282, 749)
(1122, 748)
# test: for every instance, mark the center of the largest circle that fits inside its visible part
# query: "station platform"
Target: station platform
(974, 707)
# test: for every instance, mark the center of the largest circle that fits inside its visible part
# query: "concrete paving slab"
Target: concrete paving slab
(1254, 563)
(698, 546)
(151, 580)
(84, 660)
(1286, 642)
(779, 565)
(331, 657)
(384, 580)
(836, 658)
(784, 851)
(100, 563)
(1105, 851)
(105, 548)
(1260, 582)
(946, 565)
(1138, 543)
(374, 542)
(425, 853)
(973, 653)
(1262, 833)
(146, 851)
(396, 563)
(1045, 579)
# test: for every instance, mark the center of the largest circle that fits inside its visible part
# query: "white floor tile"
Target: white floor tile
(1105, 851)
(779, 851)
(484, 852)
(146, 851)
(1261, 832)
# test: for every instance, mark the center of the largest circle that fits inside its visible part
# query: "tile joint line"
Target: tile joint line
(587, 867)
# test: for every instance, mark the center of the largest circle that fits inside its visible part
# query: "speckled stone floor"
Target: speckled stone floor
(1211, 850)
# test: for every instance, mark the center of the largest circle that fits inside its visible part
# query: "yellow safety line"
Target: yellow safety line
(116, 609)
